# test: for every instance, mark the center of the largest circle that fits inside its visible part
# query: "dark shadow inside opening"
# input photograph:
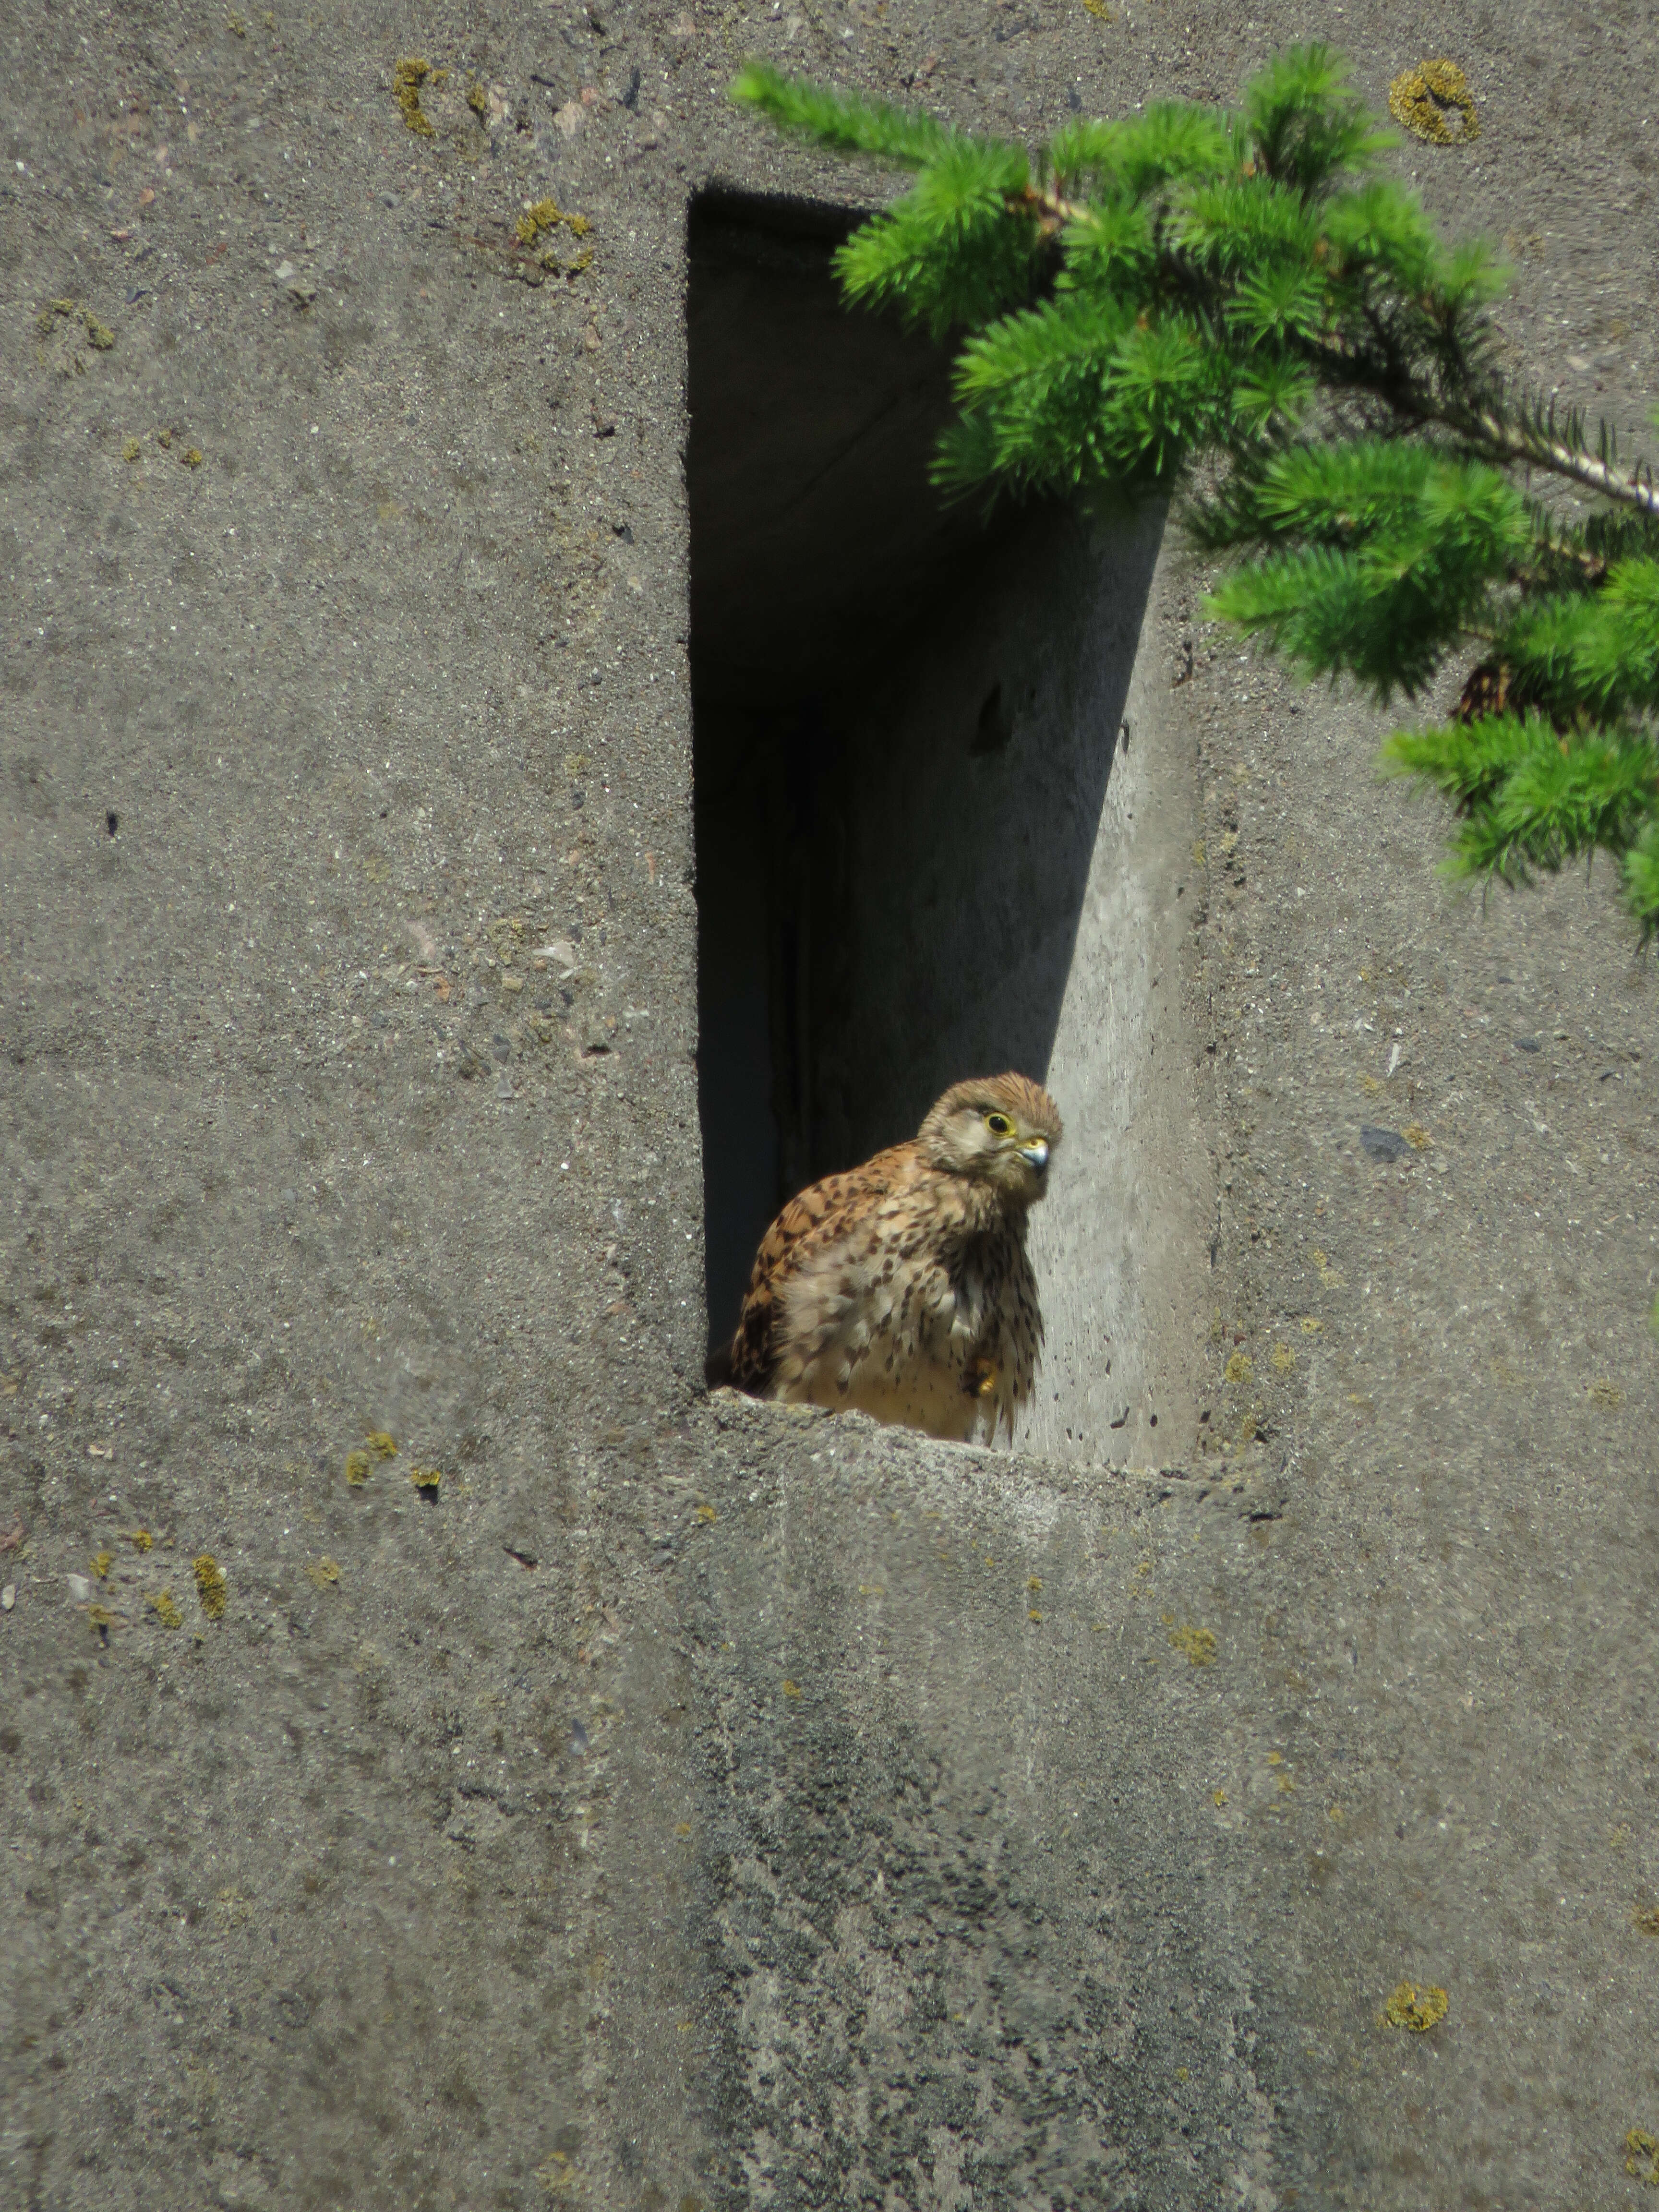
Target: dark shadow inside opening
(905, 721)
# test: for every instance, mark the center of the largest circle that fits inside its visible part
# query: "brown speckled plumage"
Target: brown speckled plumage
(901, 1288)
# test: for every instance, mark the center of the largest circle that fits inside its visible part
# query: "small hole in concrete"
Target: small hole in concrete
(111, 822)
(993, 729)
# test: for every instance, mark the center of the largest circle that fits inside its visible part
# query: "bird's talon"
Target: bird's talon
(980, 1380)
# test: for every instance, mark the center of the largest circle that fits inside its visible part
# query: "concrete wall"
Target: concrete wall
(673, 1810)
(1126, 1243)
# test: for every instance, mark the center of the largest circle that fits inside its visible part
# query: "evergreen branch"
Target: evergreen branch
(1642, 884)
(1598, 651)
(1191, 285)
(1467, 764)
(1559, 802)
(1306, 124)
(1347, 366)
(842, 122)
(1532, 801)
(944, 254)
(1504, 441)
(1171, 139)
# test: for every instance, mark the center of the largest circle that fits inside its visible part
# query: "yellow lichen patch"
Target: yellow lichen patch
(426, 1479)
(707, 1513)
(211, 1585)
(1604, 1392)
(1031, 1614)
(539, 216)
(411, 74)
(1415, 2008)
(477, 99)
(1370, 1085)
(1217, 1798)
(1309, 1325)
(98, 334)
(791, 1689)
(1275, 1759)
(235, 26)
(1034, 1582)
(1198, 1643)
(557, 2174)
(166, 1611)
(1427, 98)
(1099, 9)
(382, 1444)
(356, 1467)
(101, 1563)
(191, 456)
(1642, 2157)
(324, 1572)
(1416, 1137)
(1648, 1922)
(131, 449)
(1239, 1367)
(140, 1538)
(1281, 1359)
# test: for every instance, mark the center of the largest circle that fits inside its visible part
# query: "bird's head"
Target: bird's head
(1000, 1129)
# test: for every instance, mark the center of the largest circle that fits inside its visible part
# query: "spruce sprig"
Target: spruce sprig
(1241, 299)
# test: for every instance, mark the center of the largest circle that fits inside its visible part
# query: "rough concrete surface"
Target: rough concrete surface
(687, 1804)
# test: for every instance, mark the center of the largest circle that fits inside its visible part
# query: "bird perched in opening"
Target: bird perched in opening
(901, 1288)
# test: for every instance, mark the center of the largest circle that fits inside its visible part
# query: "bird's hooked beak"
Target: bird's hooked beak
(1034, 1155)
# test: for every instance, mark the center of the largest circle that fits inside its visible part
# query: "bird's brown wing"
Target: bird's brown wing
(806, 1225)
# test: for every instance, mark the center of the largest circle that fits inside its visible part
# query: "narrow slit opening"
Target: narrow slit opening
(906, 718)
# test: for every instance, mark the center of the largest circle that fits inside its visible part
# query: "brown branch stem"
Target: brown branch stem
(1550, 453)
(1504, 441)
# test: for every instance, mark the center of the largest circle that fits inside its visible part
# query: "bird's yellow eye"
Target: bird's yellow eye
(999, 1125)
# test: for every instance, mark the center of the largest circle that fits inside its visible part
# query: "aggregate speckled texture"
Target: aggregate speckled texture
(689, 1803)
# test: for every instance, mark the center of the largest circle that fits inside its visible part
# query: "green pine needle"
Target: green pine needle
(1241, 299)
(842, 122)
(1642, 878)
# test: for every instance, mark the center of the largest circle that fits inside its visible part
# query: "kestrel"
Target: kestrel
(901, 1288)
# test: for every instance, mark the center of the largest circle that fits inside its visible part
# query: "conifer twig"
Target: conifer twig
(1144, 295)
(1487, 430)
